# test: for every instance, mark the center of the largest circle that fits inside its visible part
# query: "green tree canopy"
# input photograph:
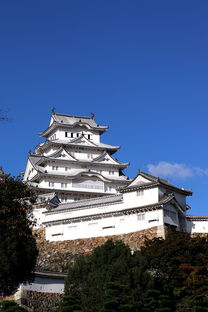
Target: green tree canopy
(18, 250)
(166, 275)
(111, 268)
(179, 266)
(10, 306)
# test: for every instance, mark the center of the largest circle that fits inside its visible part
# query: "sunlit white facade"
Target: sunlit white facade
(83, 192)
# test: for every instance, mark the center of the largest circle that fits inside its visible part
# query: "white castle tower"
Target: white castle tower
(72, 162)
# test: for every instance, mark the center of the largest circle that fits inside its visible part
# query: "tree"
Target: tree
(118, 297)
(167, 275)
(18, 251)
(70, 304)
(178, 264)
(10, 306)
(97, 279)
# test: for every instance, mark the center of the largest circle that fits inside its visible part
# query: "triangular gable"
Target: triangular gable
(106, 158)
(62, 154)
(140, 180)
(82, 140)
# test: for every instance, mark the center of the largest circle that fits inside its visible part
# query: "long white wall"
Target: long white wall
(105, 226)
(45, 285)
(197, 226)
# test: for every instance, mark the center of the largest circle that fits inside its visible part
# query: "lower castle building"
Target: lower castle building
(84, 199)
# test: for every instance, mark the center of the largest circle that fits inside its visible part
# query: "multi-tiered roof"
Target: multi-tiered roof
(73, 162)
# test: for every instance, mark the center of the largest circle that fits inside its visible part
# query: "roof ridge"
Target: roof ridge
(75, 116)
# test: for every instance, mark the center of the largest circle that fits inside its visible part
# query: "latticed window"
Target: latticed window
(140, 192)
(89, 184)
(141, 217)
(64, 185)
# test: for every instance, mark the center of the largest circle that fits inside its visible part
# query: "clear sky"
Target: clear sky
(140, 66)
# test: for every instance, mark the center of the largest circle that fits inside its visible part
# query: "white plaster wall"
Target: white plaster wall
(54, 135)
(57, 183)
(27, 170)
(86, 155)
(197, 226)
(128, 202)
(84, 212)
(139, 180)
(39, 216)
(103, 187)
(105, 171)
(149, 196)
(50, 150)
(46, 285)
(94, 136)
(61, 167)
(105, 226)
(30, 172)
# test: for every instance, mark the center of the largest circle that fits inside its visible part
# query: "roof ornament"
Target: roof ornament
(92, 115)
(53, 111)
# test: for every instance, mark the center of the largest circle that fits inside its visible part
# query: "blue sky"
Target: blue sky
(140, 66)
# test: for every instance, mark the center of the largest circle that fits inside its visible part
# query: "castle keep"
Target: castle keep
(84, 198)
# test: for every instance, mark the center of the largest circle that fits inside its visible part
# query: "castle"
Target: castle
(84, 198)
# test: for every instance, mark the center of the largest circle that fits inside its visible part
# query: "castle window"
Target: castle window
(88, 136)
(66, 168)
(140, 192)
(141, 217)
(63, 185)
(108, 227)
(92, 225)
(51, 184)
(71, 135)
(66, 134)
(72, 227)
(64, 199)
(77, 135)
(54, 167)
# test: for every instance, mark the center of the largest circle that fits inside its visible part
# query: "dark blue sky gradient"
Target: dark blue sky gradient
(140, 66)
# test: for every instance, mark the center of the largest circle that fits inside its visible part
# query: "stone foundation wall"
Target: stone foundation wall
(41, 302)
(199, 234)
(56, 256)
